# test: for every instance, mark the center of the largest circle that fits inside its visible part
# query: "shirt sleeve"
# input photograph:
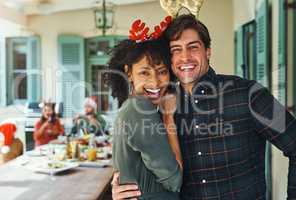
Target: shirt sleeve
(277, 125)
(148, 136)
(60, 127)
(101, 121)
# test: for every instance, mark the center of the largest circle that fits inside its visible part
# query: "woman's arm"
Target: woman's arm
(149, 137)
(39, 129)
(169, 123)
(168, 107)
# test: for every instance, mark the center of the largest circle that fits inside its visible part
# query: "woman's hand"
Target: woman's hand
(120, 192)
(168, 104)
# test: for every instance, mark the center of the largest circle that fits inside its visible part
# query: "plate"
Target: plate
(35, 153)
(97, 163)
(57, 167)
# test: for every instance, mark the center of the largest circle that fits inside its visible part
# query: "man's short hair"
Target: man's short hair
(188, 21)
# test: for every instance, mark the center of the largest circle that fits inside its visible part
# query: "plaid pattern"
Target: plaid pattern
(223, 128)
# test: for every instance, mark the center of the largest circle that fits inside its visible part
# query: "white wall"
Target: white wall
(243, 11)
(12, 15)
(220, 26)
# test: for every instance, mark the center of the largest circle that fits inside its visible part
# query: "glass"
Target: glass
(20, 56)
(92, 154)
(100, 87)
(50, 154)
(98, 48)
(20, 85)
(103, 48)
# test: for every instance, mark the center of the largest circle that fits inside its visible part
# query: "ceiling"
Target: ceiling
(45, 7)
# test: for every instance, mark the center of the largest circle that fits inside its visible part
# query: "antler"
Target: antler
(194, 6)
(138, 31)
(160, 28)
(172, 7)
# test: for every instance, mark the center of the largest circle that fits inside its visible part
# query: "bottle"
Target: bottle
(68, 148)
(92, 150)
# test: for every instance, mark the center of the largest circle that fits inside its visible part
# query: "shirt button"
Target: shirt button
(204, 181)
(199, 153)
(202, 91)
(196, 101)
(196, 126)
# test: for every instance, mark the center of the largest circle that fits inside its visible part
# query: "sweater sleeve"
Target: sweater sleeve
(148, 136)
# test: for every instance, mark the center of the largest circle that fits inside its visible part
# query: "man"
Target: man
(91, 121)
(223, 123)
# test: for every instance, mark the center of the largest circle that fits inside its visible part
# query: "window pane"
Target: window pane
(20, 55)
(103, 47)
(100, 88)
(98, 48)
(20, 85)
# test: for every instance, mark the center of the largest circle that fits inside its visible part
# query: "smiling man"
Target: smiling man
(219, 163)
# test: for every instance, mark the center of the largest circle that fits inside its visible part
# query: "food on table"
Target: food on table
(55, 165)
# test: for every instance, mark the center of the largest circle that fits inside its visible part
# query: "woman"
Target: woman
(48, 127)
(141, 149)
(91, 121)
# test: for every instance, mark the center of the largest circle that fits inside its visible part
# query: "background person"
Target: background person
(49, 127)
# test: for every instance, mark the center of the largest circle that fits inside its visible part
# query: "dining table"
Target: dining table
(19, 182)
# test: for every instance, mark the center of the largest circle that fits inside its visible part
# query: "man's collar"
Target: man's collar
(210, 77)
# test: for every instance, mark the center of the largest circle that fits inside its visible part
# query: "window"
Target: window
(18, 69)
(23, 70)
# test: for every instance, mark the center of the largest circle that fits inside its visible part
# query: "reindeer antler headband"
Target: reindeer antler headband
(139, 31)
(172, 7)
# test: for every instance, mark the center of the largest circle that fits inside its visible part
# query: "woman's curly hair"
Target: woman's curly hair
(128, 52)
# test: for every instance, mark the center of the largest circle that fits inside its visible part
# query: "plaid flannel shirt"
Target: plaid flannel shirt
(223, 128)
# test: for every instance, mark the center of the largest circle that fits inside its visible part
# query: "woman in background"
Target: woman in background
(48, 127)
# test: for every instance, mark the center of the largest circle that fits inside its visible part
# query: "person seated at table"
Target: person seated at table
(10, 147)
(90, 121)
(49, 127)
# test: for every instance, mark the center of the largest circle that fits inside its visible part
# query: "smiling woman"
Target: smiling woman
(139, 69)
(142, 153)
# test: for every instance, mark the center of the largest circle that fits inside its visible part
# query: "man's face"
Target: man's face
(189, 57)
(88, 109)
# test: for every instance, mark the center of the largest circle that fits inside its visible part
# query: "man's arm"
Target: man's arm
(277, 125)
(120, 192)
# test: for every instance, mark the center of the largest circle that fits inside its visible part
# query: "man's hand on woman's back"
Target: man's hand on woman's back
(120, 192)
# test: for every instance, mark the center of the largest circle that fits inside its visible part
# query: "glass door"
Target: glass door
(17, 70)
(100, 88)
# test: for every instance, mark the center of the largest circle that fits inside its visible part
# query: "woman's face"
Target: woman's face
(47, 112)
(149, 81)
